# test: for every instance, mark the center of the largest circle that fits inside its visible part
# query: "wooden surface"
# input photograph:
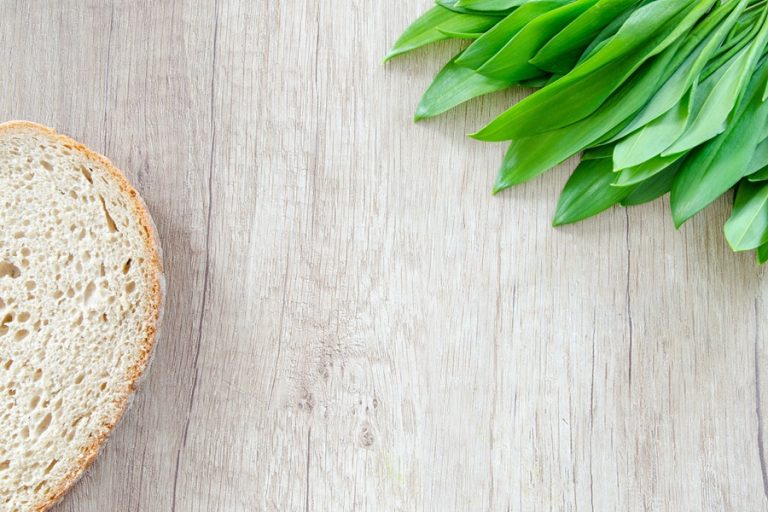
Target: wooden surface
(353, 322)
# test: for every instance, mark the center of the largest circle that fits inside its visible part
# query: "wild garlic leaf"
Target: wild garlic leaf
(762, 254)
(489, 5)
(429, 29)
(605, 151)
(461, 35)
(761, 175)
(747, 228)
(698, 48)
(759, 159)
(654, 187)
(453, 86)
(490, 43)
(582, 91)
(530, 156)
(457, 6)
(646, 170)
(722, 97)
(588, 192)
(710, 116)
(719, 164)
(652, 139)
(512, 61)
(562, 52)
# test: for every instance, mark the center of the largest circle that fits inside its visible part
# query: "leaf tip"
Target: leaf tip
(394, 52)
(474, 135)
(500, 186)
(563, 217)
(678, 220)
(421, 114)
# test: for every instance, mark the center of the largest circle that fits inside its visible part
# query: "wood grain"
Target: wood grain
(353, 323)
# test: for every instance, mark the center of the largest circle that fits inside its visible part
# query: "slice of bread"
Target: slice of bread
(81, 290)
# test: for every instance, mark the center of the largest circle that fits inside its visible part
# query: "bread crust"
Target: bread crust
(157, 291)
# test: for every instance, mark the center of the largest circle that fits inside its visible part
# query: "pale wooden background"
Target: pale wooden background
(353, 323)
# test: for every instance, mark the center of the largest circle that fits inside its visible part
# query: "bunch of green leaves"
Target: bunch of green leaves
(659, 96)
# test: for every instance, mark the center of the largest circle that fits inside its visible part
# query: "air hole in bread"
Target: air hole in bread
(88, 295)
(110, 221)
(8, 269)
(44, 423)
(87, 174)
(50, 466)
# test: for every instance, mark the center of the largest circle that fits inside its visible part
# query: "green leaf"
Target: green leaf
(536, 83)
(605, 35)
(652, 139)
(646, 170)
(761, 175)
(490, 43)
(457, 6)
(461, 35)
(696, 50)
(747, 228)
(653, 187)
(598, 152)
(583, 90)
(530, 156)
(762, 254)
(711, 113)
(430, 26)
(489, 5)
(452, 86)
(759, 159)
(562, 52)
(720, 163)
(512, 61)
(588, 192)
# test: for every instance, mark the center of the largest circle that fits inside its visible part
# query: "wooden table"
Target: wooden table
(353, 322)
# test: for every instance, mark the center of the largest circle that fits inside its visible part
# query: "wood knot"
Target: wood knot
(366, 436)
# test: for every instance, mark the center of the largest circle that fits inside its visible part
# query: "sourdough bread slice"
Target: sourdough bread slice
(81, 290)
